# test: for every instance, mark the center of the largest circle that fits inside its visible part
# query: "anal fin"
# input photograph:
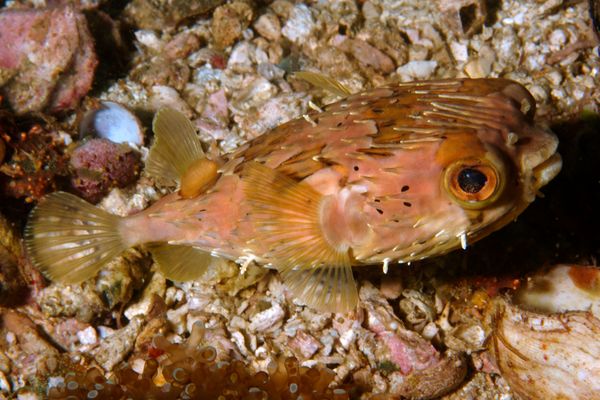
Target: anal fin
(286, 215)
(181, 263)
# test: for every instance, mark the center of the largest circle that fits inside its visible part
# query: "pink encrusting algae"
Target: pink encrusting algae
(394, 174)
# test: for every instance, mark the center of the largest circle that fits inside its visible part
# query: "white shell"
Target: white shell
(114, 122)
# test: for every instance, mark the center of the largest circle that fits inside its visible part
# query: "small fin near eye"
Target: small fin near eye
(176, 146)
(181, 263)
(69, 240)
(287, 219)
(324, 82)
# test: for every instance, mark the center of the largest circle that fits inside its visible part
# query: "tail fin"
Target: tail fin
(69, 240)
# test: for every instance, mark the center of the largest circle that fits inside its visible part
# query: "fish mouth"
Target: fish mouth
(539, 160)
(547, 170)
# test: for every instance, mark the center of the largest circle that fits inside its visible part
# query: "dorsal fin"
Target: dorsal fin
(176, 147)
(286, 215)
(324, 82)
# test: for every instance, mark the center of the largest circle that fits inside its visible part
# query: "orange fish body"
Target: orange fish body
(394, 174)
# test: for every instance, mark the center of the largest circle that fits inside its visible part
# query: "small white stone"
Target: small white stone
(55, 381)
(137, 365)
(149, 39)
(554, 77)
(300, 24)
(347, 338)
(177, 318)
(460, 51)
(87, 335)
(267, 318)
(10, 338)
(414, 70)
(558, 38)
(268, 26)
(105, 331)
(5, 384)
(430, 330)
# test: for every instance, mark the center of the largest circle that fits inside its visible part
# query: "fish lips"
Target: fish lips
(540, 162)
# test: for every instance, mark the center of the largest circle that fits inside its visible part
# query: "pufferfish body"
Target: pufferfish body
(394, 174)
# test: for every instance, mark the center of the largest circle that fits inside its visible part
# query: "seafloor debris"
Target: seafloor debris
(464, 17)
(542, 356)
(561, 288)
(11, 282)
(35, 158)
(190, 370)
(47, 58)
(229, 22)
(99, 165)
(151, 14)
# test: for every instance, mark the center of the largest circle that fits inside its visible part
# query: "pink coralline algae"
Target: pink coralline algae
(47, 58)
(100, 165)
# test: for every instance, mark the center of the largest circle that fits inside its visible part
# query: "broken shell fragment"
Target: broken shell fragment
(561, 288)
(112, 121)
(547, 356)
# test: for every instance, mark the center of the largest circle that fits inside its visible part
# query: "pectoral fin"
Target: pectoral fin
(287, 218)
(176, 146)
(181, 263)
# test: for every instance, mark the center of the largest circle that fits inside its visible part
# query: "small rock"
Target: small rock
(156, 286)
(156, 14)
(268, 26)
(87, 336)
(300, 24)
(114, 348)
(463, 17)
(11, 282)
(366, 54)
(229, 22)
(417, 70)
(304, 344)
(266, 319)
(100, 165)
(165, 96)
(47, 58)
(181, 45)
(391, 287)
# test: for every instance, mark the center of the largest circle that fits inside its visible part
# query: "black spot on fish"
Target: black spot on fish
(405, 188)
(379, 210)
(355, 168)
(407, 204)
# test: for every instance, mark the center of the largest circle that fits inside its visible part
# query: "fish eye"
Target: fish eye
(471, 180)
(473, 183)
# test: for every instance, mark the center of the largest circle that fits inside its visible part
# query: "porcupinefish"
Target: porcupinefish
(393, 174)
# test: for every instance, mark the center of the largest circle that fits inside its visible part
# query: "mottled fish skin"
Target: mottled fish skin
(394, 174)
(384, 152)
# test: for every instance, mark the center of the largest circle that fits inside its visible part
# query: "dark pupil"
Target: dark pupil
(471, 180)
